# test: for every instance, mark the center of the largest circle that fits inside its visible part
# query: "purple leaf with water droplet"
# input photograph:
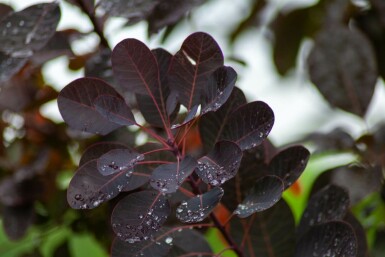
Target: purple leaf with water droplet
(191, 67)
(189, 117)
(220, 86)
(117, 160)
(167, 178)
(139, 215)
(88, 188)
(212, 123)
(330, 203)
(76, 105)
(221, 164)
(266, 192)
(249, 125)
(199, 207)
(114, 109)
(96, 150)
(289, 164)
(24, 32)
(334, 238)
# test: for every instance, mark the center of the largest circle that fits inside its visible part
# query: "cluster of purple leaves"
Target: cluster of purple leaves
(164, 188)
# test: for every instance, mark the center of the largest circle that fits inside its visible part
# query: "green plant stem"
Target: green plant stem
(217, 223)
(97, 28)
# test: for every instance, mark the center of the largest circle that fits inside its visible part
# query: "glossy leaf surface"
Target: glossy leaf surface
(268, 233)
(350, 89)
(221, 164)
(114, 109)
(96, 150)
(117, 160)
(167, 178)
(249, 125)
(28, 30)
(334, 238)
(199, 207)
(330, 203)
(191, 67)
(211, 124)
(266, 192)
(289, 164)
(76, 105)
(139, 215)
(89, 188)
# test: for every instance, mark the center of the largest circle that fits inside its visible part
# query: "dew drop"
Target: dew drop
(168, 240)
(78, 197)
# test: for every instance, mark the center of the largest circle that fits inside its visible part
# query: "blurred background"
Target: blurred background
(266, 41)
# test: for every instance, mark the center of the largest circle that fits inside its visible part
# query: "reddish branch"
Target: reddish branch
(96, 24)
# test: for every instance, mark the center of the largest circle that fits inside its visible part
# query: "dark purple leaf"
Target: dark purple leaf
(221, 164)
(155, 152)
(337, 139)
(199, 207)
(88, 188)
(266, 192)
(17, 219)
(289, 164)
(162, 95)
(167, 13)
(76, 105)
(182, 237)
(29, 30)
(99, 66)
(18, 93)
(254, 165)
(266, 234)
(359, 231)
(14, 192)
(135, 10)
(147, 248)
(136, 69)
(114, 109)
(139, 177)
(334, 238)
(249, 125)
(349, 89)
(330, 203)
(96, 150)
(167, 178)
(117, 160)
(221, 84)
(211, 124)
(191, 67)
(9, 66)
(139, 215)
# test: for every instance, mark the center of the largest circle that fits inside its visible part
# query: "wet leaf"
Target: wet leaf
(265, 234)
(330, 203)
(211, 124)
(117, 160)
(139, 215)
(191, 67)
(114, 109)
(89, 188)
(28, 30)
(182, 237)
(199, 207)
(220, 164)
(167, 178)
(96, 150)
(133, 10)
(334, 238)
(161, 96)
(221, 84)
(289, 164)
(249, 125)
(137, 71)
(147, 248)
(76, 105)
(337, 48)
(190, 116)
(266, 192)
(359, 231)
(9, 66)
